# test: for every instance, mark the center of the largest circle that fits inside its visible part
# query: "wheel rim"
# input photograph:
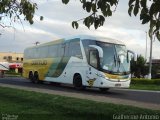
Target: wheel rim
(36, 78)
(31, 77)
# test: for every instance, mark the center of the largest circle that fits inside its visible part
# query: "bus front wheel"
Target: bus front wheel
(77, 81)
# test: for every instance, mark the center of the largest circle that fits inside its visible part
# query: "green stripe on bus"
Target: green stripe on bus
(57, 67)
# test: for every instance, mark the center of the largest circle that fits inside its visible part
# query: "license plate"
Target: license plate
(118, 85)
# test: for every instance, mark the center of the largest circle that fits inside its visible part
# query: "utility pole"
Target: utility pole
(150, 59)
(146, 46)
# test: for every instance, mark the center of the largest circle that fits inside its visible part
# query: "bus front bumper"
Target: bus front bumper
(106, 83)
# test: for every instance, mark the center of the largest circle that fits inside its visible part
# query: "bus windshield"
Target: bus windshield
(114, 56)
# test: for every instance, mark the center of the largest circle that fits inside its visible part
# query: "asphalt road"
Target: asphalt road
(146, 97)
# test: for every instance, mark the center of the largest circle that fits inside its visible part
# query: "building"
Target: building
(4, 66)
(156, 61)
(11, 57)
(156, 68)
(15, 60)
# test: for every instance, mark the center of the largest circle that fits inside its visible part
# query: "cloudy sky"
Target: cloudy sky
(57, 24)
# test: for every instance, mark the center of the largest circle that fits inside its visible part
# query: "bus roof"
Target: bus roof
(82, 37)
(97, 38)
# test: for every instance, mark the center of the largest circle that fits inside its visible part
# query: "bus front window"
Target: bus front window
(122, 57)
(114, 58)
(107, 62)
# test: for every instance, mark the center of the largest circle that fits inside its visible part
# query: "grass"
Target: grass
(145, 84)
(12, 74)
(39, 106)
(145, 81)
(145, 87)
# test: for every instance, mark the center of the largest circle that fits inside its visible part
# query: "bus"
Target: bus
(82, 61)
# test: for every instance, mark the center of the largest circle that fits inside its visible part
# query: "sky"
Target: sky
(57, 24)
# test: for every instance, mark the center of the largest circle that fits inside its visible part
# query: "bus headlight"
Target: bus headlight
(100, 75)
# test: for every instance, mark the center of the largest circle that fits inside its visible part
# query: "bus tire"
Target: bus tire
(36, 78)
(30, 76)
(103, 89)
(77, 81)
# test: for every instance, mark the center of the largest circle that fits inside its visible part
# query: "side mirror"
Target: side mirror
(133, 53)
(100, 50)
(121, 58)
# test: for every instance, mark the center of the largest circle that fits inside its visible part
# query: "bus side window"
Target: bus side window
(29, 53)
(35, 53)
(42, 52)
(66, 53)
(74, 49)
(52, 51)
(26, 54)
(61, 49)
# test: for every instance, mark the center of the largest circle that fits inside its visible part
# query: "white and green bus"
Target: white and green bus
(83, 61)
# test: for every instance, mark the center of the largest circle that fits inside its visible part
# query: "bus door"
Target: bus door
(93, 66)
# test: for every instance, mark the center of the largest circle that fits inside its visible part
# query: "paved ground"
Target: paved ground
(138, 98)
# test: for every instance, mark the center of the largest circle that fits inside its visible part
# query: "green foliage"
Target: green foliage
(145, 87)
(39, 106)
(15, 9)
(65, 1)
(145, 81)
(12, 73)
(41, 18)
(138, 67)
(149, 11)
(94, 7)
(75, 24)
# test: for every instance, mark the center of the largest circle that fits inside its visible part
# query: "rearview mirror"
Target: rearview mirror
(133, 53)
(100, 50)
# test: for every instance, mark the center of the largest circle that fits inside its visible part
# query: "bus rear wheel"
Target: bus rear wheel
(30, 76)
(36, 78)
(77, 81)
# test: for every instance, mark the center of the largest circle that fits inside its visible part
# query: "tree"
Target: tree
(149, 11)
(139, 68)
(17, 10)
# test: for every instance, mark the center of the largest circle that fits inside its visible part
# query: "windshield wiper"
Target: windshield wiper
(119, 62)
(115, 61)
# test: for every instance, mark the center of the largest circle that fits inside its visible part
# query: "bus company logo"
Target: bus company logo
(39, 62)
(91, 81)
